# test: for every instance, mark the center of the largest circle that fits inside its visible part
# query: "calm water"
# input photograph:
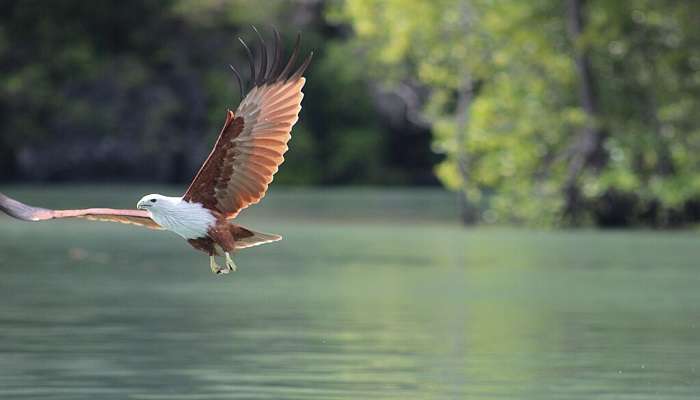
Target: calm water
(348, 309)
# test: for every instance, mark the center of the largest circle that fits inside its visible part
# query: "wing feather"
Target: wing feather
(26, 212)
(253, 141)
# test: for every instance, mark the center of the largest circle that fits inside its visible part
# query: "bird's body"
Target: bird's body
(236, 174)
(205, 230)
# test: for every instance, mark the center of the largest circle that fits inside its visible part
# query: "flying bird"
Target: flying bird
(247, 153)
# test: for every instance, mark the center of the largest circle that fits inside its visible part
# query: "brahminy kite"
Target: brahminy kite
(247, 153)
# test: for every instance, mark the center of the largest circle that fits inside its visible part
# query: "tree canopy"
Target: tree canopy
(579, 112)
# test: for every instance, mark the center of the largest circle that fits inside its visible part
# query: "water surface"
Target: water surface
(347, 308)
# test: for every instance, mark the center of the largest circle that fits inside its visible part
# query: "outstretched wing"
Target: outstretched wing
(252, 143)
(26, 212)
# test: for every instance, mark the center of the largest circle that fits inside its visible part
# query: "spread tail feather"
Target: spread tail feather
(246, 238)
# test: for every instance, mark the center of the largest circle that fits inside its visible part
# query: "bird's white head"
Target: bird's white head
(157, 204)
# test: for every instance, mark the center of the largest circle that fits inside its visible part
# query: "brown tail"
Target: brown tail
(247, 238)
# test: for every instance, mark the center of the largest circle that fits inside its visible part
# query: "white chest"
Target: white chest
(189, 220)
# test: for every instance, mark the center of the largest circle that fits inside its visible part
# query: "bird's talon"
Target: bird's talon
(230, 264)
(215, 268)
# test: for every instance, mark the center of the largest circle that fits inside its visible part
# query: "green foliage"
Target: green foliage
(526, 115)
(646, 52)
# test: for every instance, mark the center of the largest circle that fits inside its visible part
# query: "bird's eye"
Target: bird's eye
(153, 200)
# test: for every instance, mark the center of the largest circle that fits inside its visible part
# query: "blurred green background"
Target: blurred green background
(544, 113)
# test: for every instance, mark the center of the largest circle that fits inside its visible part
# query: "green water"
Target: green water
(373, 297)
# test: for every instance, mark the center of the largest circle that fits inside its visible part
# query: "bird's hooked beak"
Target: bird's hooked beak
(142, 205)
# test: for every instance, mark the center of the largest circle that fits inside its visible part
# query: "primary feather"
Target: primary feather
(252, 143)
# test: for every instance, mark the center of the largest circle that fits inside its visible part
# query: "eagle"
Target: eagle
(235, 175)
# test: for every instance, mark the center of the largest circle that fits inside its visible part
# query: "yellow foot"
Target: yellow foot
(230, 264)
(215, 268)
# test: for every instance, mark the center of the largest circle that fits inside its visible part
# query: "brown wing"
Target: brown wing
(26, 212)
(252, 143)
